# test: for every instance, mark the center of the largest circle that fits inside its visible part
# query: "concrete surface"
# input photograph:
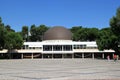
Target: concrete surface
(59, 69)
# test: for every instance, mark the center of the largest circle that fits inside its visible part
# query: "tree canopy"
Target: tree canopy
(37, 32)
(109, 38)
(84, 34)
(2, 32)
(13, 41)
(9, 39)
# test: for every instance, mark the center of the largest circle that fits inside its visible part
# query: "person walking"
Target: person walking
(115, 57)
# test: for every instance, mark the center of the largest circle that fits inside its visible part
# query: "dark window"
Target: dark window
(47, 47)
(67, 47)
(57, 48)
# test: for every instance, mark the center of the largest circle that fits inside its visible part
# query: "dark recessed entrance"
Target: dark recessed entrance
(47, 56)
(57, 55)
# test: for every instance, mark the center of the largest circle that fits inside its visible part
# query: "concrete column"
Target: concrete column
(42, 55)
(73, 56)
(52, 47)
(103, 56)
(32, 56)
(52, 56)
(62, 56)
(62, 47)
(21, 55)
(93, 57)
(82, 55)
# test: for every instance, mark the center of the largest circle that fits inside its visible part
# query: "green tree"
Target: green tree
(8, 28)
(115, 27)
(106, 39)
(115, 23)
(109, 38)
(74, 30)
(9, 39)
(33, 31)
(2, 34)
(25, 33)
(13, 41)
(85, 34)
(92, 34)
(37, 32)
(41, 30)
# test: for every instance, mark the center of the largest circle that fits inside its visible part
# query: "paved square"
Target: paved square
(59, 69)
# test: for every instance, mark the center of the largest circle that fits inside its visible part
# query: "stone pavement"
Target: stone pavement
(59, 69)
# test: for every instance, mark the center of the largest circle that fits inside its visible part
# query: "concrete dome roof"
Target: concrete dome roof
(57, 33)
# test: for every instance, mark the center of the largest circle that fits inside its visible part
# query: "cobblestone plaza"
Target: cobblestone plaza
(59, 69)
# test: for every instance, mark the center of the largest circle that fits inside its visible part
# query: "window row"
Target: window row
(57, 47)
(79, 46)
(83, 47)
(27, 47)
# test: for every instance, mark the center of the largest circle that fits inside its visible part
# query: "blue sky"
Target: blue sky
(67, 13)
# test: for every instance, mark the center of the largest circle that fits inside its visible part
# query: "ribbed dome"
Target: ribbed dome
(57, 33)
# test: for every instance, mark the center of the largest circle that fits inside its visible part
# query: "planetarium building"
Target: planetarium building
(57, 44)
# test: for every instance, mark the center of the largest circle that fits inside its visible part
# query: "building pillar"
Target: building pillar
(52, 47)
(21, 55)
(62, 47)
(93, 57)
(82, 55)
(103, 56)
(52, 56)
(32, 56)
(42, 55)
(73, 56)
(62, 56)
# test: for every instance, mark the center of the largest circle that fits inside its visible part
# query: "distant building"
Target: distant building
(57, 43)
